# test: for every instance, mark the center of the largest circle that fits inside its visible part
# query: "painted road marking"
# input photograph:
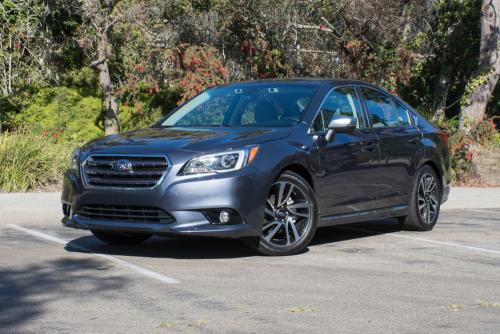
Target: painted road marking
(485, 211)
(123, 263)
(443, 243)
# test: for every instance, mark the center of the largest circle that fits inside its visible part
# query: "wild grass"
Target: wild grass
(29, 161)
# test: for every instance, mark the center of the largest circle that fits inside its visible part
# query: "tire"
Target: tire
(121, 238)
(290, 218)
(424, 197)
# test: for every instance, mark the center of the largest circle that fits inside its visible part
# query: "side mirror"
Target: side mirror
(340, 123)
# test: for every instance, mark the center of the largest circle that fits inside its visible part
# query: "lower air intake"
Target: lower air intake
(132, 214)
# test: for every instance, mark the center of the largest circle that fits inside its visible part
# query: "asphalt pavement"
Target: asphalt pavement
(370, 277)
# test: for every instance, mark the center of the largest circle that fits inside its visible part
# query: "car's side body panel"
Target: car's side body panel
(403, 150)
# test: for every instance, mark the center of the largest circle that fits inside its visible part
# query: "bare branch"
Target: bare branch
(98, 62)
(109, 25)
(336, 34)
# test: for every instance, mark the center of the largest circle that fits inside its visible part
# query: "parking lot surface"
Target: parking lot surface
(361, 277)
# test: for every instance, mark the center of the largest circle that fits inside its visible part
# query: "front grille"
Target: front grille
(140, 172)
(133, 214)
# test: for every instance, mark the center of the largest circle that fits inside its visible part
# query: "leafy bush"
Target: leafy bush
(464, 145)
(73, 114)
(63, 113)
(147, 107)
(201, 68)
(29, 161)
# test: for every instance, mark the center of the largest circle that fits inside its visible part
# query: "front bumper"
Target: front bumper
(183, 197)
(203, 228)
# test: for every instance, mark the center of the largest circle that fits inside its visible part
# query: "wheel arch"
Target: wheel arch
(438, 172)
(299, 169)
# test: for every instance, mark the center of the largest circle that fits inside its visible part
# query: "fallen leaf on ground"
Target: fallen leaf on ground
(301, 309)
(489, 305)
(456, 307)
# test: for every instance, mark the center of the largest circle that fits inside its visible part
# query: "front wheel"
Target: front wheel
(290, 217)
(121, 238)
(423, 210)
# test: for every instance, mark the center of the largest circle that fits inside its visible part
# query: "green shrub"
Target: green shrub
(463, 146)
(63, 113)
(70, 115)
(136, 117)
(29, 161)
(147, 108)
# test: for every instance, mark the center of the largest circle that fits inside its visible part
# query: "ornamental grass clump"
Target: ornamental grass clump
(29, 161)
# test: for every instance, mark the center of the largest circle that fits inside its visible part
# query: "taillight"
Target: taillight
(444, 137)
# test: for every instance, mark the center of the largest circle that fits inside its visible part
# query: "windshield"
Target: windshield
(262, 106)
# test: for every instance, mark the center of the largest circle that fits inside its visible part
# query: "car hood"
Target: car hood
(178, 142)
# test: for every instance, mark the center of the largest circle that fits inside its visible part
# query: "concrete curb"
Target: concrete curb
(473, 198)
(30, 208)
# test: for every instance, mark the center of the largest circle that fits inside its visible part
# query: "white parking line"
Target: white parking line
(131, 266)
(437, 242)
(485, 211)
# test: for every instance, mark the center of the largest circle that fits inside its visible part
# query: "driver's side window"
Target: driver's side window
(340, 101)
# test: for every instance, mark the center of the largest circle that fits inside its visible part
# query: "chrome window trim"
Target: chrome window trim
(87, 186)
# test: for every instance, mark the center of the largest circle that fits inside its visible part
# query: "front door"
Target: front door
(348, 163)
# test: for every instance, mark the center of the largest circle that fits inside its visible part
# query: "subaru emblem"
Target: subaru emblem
(122, 165)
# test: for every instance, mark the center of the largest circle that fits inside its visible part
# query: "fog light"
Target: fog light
(66, 208)
(224, 217)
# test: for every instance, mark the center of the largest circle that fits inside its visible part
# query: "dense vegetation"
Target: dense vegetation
(71, 70)
(29, 161)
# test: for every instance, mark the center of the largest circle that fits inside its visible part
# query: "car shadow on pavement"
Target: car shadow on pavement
(352, 231)
(213, 248)
(167, 247)
(27, 292)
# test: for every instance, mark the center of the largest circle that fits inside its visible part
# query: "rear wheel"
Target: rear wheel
(121, 238)
(423, 211)
(290, 217)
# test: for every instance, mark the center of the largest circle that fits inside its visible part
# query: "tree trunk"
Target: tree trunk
(442, 87)
(111, 121)
(9, 77)
(489, 66)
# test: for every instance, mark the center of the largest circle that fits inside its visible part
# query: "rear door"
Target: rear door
(400, 142)
(348, 163)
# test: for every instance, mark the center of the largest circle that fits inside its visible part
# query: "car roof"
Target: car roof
(314, 82)
(300, 81)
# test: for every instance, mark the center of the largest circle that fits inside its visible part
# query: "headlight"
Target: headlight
(220, 162)
(75, 160)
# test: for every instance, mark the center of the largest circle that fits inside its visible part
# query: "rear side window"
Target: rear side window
(341, 101)
(384, 111)
(403, 115)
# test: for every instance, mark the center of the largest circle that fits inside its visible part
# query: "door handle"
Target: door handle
(414, 140)
(371, 146)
